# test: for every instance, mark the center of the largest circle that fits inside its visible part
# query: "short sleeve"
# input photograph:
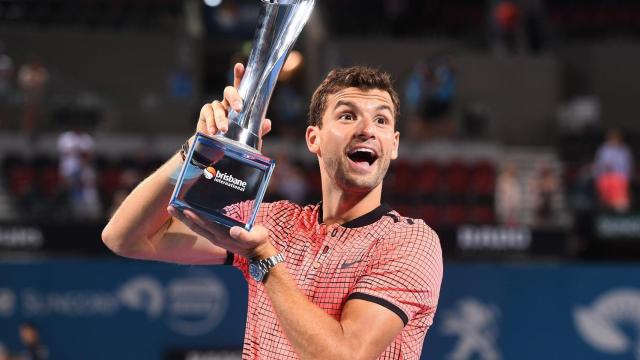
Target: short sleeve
(404, 272)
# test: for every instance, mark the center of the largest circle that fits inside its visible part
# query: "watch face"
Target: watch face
(256, 273)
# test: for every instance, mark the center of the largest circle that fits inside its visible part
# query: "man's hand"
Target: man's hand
(213, 117)
(253, 244)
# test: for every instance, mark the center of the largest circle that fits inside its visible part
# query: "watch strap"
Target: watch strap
(267, 264)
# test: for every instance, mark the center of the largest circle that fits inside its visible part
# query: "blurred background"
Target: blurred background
(518, 139)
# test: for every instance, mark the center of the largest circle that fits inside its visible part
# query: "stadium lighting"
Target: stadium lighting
(212, 3)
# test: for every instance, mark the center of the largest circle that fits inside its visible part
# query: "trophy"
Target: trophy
(228, 168)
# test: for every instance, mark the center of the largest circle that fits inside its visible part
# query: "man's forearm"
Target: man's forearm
(312, 332)
(143, 213)
(363, 331)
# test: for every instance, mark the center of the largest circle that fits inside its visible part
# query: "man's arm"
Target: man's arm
(143, 227)
(364, 330)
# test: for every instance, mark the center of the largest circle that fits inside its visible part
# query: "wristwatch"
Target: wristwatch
(258, 269)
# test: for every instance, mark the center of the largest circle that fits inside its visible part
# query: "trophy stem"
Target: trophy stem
(278, 28)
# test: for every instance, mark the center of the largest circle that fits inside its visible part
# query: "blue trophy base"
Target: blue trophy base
(219, 173)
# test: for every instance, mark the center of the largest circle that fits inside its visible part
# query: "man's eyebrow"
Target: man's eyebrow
(344, 103)
(385, 107)
(351, 104)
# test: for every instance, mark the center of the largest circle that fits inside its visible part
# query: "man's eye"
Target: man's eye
(381, 120)
(346, 116)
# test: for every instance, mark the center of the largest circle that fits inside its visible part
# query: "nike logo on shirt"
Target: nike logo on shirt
(346, 265)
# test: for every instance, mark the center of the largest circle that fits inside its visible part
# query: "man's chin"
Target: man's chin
(359, 186)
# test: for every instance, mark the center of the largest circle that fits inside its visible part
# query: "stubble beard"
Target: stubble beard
(337, 168)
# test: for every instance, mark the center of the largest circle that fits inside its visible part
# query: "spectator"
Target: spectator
(30, 337)
(181, 84)
(442, 89)
(613, 166)
(78, 173)
(583, 195)
(506, 17)
(533, 26)
(6, 76)
(508, 196)
(546, 188)
(429, 93)
(4, 354)
(33, 78)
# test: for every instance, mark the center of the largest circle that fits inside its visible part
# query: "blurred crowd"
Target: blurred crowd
(33, 347)
(78, 182)
(26, 85)
(536, 190)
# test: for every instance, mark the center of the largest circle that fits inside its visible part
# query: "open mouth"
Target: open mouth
(363, 156)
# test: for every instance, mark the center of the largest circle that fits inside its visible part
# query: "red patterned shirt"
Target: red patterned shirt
(381, 257)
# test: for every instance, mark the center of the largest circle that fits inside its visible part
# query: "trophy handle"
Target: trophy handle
(279, 26)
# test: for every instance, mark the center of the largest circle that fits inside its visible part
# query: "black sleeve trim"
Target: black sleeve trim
(229, 259)
(383, 302)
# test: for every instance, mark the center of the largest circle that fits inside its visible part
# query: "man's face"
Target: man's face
(28, 335)
(357, 139)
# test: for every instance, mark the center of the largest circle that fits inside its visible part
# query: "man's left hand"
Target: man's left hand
(252, 244)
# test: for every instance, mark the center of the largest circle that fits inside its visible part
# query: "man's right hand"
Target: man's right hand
(213, 116)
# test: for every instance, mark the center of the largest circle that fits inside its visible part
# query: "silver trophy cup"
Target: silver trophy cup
(227, 169)
(279, 26)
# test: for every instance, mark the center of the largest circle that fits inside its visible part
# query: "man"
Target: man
(613, 170)
(33, 347)
(358, 280)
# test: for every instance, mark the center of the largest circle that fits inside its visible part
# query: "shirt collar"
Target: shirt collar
(363, 220)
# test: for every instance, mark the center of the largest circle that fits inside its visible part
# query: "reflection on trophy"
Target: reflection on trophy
(228, 168)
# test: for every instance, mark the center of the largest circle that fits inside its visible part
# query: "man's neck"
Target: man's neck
(339, 207)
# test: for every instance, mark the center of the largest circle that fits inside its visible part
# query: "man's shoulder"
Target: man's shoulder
(405, 222)
(407, 230)
(411, 245)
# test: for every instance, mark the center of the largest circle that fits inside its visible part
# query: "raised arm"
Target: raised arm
(142, 227)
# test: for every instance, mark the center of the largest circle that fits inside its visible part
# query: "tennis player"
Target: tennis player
(348, 278)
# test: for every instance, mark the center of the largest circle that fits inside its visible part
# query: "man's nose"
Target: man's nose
(366, 128)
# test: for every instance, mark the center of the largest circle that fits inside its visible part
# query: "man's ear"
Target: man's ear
(313, 139)
(396, 144)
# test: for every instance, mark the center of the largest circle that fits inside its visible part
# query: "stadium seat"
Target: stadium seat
(428, 176)
(456, 179)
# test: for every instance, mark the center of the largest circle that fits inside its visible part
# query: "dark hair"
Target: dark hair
(28, 324)
(361, 77)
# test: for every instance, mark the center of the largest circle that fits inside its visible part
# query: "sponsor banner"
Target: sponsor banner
(532, 312)
(495, 240)
(17, 237)
(122, 309)
(618, 227)
(108, 309)
(465, 240)
(605, 236)
(63, 238)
